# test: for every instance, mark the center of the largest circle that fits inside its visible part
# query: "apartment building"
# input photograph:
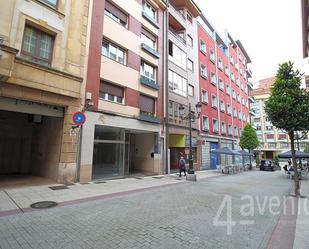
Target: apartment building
(224, 87)
(183, 89)
(124, 90)
(273, 141)
(42, 48)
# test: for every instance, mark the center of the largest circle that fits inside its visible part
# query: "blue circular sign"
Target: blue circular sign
(79, 118)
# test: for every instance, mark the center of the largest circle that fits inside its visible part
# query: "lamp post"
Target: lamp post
(191, 117)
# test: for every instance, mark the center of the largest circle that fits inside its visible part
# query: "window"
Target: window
(203, 71)
(242, 101)
(189, 17)
(233, 94)
(205, 123)
(116, 14)
(221, 84)
(235, 131)
(220, 64)
(241, 86)
(190, 41)
(113, 52)
(215, 126)
(212, 56)
(232, 77)
(190, 90)
(203, 47)
(214, 102)
(230, 130)
(149, 10)
(237, 66)
(190, 65)
(147, 104)
(244, 118)
(53, 3)
(111, 92)
(213, 78)
(204, 96)
(238, 98)
(177, 56)
(227, 71)
(235, 113)
(237, 81)
(222, 106)
(148, 71)
(239, 115)
(228, 89)
(229, 110)
(232, 59)
(37, 46)
(177, 83)
(149, 39)
(223, 128)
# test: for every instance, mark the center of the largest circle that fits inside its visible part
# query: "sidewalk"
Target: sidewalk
(301, 240)
(18, 199)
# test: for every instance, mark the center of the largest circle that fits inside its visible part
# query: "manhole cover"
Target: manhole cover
(44, 204)
(60, 187)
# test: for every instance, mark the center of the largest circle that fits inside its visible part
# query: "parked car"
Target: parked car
(267, 165)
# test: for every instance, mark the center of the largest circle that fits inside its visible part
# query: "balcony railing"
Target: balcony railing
(151, 20)
(148, 118)
(149, 82)
(150, 50)
(175, 33)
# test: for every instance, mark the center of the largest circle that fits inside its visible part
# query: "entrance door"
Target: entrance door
(214, 157)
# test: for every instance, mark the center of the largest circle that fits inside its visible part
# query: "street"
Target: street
(177, 216)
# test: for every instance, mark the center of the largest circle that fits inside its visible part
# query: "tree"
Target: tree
(288, 108)
(249, 139)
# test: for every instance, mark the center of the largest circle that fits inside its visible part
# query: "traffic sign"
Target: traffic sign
(79, 118)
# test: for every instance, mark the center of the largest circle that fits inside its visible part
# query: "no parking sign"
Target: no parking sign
(79, 118)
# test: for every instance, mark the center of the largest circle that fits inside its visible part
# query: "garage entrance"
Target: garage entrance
(30, 143)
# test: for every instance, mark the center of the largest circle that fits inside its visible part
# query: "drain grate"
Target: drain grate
(60, 187)
(139, 178)
(98, 182)
(44, 204)
(157, 177)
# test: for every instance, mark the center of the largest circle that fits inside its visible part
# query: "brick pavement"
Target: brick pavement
(177, 216)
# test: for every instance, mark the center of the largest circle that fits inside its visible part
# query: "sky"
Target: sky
(270, 31)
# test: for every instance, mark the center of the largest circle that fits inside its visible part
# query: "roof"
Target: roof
(243, 51)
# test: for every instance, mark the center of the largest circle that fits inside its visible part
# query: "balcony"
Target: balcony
(178, 37)
(251, 99)
(252, 113)
(147, 117)
(149, 82)
(250, 85)
(176, 18)
(150, 50)
(149, 19)
(249, 73)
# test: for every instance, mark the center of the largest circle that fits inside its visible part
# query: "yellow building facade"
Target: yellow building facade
(42, 57)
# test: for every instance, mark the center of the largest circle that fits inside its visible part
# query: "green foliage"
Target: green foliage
(276, 161)
(307, 148)
(288, 105)
(248, 139)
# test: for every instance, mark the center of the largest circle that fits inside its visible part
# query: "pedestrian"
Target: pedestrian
(290, 162)
(182, 165)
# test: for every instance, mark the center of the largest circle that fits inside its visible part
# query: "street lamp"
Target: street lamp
(191, 117)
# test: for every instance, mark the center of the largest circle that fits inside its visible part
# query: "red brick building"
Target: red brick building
(223, 82)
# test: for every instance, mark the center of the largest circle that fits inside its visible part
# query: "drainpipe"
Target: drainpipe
(166, 98)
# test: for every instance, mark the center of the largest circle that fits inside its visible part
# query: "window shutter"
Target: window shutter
(117, 12)
(111, 89)
(149, 35)
(146, 104)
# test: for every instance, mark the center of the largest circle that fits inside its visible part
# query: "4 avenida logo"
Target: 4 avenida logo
(251, 207)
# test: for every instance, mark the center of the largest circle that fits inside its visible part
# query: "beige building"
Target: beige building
(272, 140)
(42, 48)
